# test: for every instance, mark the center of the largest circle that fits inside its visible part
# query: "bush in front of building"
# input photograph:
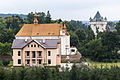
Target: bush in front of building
(76, 73)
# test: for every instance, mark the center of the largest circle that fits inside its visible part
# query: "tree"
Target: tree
(30, 18)
(5, 49)
(94, 49)
(70, 26)
(73, 39)
(90, 34)
(48, 17)
(118, 27)
(13, 22)
(41, 17)
(81, 34)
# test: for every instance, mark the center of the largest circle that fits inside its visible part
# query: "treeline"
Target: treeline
(102, 48)
(75, 73)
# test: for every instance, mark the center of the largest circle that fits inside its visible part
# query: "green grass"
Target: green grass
(99, 64)
(93, 64)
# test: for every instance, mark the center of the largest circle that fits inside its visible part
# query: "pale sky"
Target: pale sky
(64, 9)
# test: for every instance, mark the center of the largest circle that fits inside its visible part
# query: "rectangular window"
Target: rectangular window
(33, 62)
(39, 53)
(33, 54)
(28, 45)
(40, 61)
(28, 61)
(49, 61)
(49, 53)
(28, 53)
(19, 61)
(18, 53)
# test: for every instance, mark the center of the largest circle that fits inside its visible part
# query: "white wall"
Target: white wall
(100, 25)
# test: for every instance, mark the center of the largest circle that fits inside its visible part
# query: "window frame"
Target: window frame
(34, 45)
(31, 45)
(27, 53)
(28, 61)
(49, 61)
(19, 53)
(19, 61)
(49, 53)
(40, 61)
(39, 52)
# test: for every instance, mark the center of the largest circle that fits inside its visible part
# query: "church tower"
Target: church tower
(98, 22)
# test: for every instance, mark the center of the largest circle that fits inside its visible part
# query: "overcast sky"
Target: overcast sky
(64, 9)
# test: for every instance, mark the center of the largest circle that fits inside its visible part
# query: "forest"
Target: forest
(101, 48)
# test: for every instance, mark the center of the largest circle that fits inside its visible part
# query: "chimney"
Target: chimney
(43, 40)
(26, 40)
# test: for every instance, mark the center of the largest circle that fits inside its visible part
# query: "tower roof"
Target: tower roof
(35, 19)
(97, 16)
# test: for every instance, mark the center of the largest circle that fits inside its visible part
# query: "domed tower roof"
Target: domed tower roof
(35, 19)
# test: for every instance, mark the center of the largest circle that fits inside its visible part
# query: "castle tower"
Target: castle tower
(98, 22)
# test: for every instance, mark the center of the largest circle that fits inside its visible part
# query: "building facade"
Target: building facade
(40, 44)
(98, 23)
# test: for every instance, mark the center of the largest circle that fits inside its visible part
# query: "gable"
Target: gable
(49, 43)
(34, 43)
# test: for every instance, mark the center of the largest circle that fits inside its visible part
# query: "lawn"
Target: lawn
(93, 64)
(99, 64)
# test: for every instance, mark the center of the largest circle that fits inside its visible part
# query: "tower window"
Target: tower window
(94, 24)
(18, 53)
(49, 53)
(31, 45)
(49, 61)
(19, 61)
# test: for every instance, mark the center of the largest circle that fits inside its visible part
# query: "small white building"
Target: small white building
(98, 22)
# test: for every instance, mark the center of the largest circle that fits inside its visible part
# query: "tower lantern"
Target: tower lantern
(35, 19)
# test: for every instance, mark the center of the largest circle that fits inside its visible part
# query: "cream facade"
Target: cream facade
(34, 54)
(40, 44)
